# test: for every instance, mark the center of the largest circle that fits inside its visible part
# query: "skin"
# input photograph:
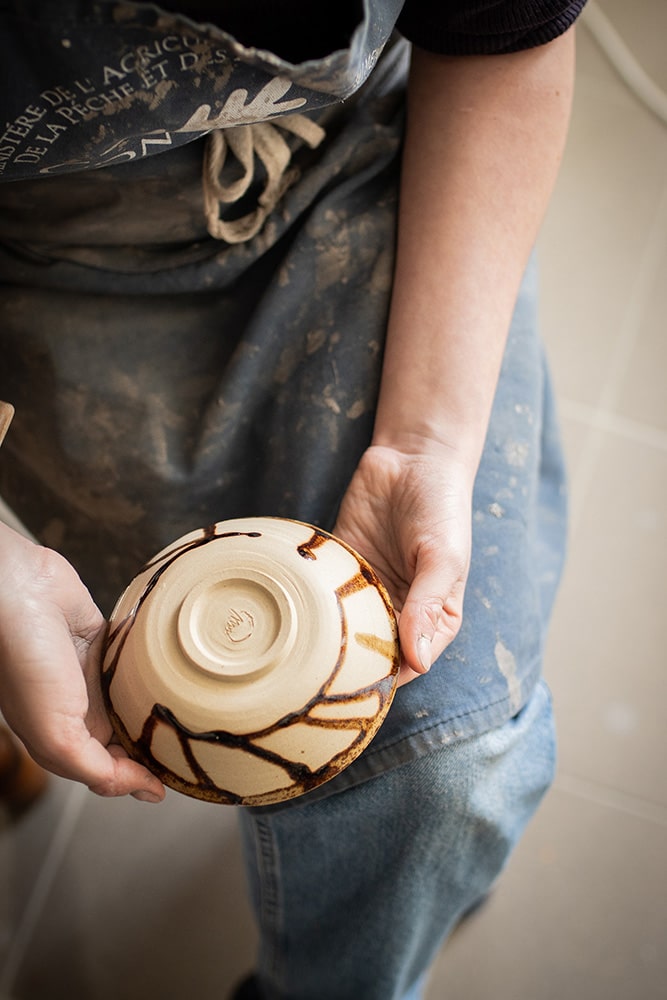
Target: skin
(478, 171)
(479, 166)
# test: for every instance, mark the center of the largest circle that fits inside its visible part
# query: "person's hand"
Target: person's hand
(51, 635)
(409, 515)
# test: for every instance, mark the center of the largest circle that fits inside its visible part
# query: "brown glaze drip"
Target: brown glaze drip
(373, 642)
(186, 737)
(301, 777)
(307, 549)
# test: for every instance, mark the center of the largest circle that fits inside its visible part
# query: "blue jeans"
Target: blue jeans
(356, 890)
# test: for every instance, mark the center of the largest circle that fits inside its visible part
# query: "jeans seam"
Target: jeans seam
(270, 909)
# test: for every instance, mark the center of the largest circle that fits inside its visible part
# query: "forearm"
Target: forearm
(484, 141)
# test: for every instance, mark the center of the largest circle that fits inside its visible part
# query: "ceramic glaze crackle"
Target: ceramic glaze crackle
(251, 661)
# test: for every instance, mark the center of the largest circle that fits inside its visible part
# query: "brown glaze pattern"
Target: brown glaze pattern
(344, 712)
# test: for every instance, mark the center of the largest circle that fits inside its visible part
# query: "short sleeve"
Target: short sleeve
(478, 27)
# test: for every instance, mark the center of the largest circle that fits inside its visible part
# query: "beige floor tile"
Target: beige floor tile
(642, 25)
(596, 75)
(606, 653)
(580, 913)
(24, 844)
(599, 224)
(575, 440)
(642, 393)
(148, 902)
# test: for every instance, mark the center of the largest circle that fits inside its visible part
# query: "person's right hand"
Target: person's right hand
(51, 636)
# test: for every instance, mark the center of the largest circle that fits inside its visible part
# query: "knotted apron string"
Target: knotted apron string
(243, 141)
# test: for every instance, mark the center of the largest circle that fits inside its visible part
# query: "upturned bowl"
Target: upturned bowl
(250, 661)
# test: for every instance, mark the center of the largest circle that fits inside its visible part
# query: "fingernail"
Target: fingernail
(424, 651)
(144, 796)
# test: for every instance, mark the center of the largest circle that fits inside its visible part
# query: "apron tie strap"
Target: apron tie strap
(243, 141)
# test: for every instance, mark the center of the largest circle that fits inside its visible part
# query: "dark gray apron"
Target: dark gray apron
(165, 378)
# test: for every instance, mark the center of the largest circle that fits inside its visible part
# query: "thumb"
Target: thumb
(431, 615)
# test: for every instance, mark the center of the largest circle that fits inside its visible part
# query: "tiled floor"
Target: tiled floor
(582, 909)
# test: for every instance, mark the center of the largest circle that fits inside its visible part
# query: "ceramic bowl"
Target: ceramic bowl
(251, 661)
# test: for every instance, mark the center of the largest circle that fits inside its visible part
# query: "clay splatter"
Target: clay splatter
(507, 666)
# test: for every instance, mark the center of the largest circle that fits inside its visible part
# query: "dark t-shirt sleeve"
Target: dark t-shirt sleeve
(479, 27)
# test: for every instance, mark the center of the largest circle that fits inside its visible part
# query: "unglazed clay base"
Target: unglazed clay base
(251, 661)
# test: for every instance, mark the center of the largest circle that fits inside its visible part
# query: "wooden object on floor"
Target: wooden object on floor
(22, 781)
(6, 416)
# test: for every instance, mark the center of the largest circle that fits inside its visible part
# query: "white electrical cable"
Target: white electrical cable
(623, 61)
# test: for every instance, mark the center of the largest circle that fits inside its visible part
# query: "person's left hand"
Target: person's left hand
(409, 515)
